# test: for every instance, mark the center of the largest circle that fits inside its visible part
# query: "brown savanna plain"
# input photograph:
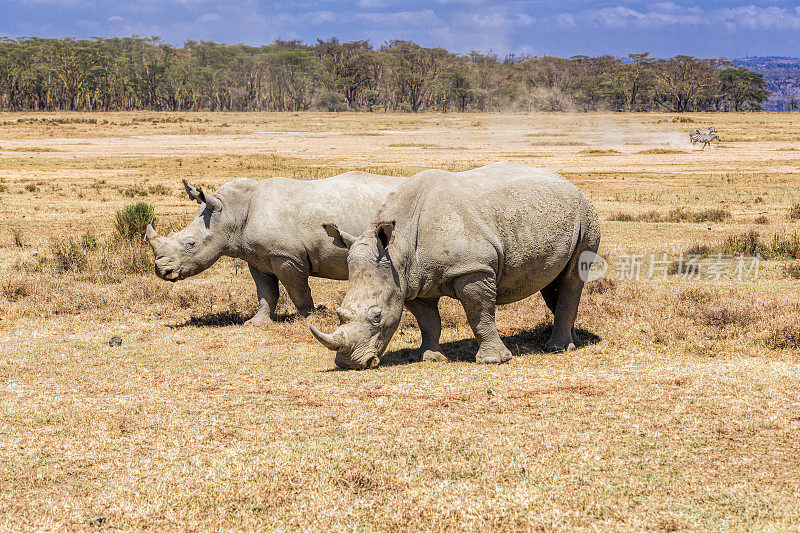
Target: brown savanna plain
(680, 411)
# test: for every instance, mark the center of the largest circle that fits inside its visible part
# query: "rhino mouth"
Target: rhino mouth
(169, 275)
(346, 361)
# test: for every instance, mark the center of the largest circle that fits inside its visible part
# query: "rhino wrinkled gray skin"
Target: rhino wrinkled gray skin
(492, 235)
(275, 225)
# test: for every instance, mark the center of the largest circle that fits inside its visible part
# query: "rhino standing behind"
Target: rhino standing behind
(274, 225)
(492, 235)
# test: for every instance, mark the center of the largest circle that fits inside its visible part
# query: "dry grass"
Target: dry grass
(678, 214)
(679, 410)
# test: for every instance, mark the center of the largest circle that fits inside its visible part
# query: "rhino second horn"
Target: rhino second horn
(330, 341)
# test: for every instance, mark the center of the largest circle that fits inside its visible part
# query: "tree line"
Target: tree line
(136, 73)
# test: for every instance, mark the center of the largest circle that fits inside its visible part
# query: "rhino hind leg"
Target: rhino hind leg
(426, 312)
(478, 295)
(550, 296)
(566, 290)
(294, 277)
(267, 293)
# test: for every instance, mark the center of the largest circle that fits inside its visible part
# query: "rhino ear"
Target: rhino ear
(197, 194)
(193, 192)
(383, 231)
(211, 201)
(339, 236)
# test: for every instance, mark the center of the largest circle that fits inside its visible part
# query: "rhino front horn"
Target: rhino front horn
(150, 233)
(330, 341)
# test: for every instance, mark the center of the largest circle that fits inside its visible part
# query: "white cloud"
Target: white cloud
(490, 21)
(373, 4)
(321, 17)
(400, 18)
(670, 14)
(565, 20)
(754, 17)
(208, 17)
(114, 19)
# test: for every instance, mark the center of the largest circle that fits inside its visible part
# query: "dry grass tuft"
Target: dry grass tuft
(15, 289)
(677, 382)
(16, 236)
(679, 214)
(595, 151)
(784, 337)
(792, 270)
(794, 212)
(601, 286)
(100, 260)
(663, 151)
(577, 388)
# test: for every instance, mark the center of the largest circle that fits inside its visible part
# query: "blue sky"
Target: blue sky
(534, 27)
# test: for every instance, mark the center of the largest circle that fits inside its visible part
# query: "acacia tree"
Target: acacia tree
(629, 82)
(683, 80)
(743, 89)
(146, 73)
(413, 71)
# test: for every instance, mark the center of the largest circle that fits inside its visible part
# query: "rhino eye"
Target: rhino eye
(189, 243)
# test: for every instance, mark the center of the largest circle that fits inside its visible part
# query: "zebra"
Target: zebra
(709, 131)
(699, 137)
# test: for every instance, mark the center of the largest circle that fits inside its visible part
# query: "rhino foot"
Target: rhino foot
(259, 321)
(433, 355)
(555, 347)
(493, 356)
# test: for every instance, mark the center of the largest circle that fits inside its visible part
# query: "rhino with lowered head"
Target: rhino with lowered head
(492, 235)
(274, 225)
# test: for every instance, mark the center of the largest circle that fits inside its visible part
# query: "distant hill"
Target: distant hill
(782, 75)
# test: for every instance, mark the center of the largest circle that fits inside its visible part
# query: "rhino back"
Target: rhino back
(519, 223)
(285, 217)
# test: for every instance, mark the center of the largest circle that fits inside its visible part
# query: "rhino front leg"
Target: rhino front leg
(267, 293)
(568, 293)
(478, 294)
(294, 277)
(426, 312)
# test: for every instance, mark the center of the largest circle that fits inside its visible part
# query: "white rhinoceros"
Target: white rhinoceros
(492, 235)
(275, 225)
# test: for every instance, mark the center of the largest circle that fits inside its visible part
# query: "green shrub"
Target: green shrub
(89, 241)
(783, 246)
(31, 188)
(329, 101)
(132, 220)
(746, 244)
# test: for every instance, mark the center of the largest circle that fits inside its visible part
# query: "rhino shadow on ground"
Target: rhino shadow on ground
(233, 318)
(521, 343)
